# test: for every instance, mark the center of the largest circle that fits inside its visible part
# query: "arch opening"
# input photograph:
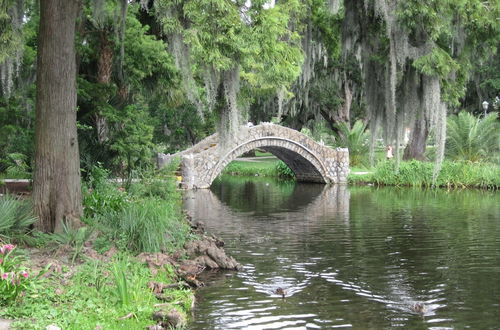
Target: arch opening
(305, 164)
(303, 169)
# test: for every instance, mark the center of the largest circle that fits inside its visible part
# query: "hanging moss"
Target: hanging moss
(12, 44)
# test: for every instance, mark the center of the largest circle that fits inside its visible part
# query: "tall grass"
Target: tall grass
(149, 225)
(419, 174)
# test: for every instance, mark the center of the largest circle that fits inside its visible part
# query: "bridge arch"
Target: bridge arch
(306, 165)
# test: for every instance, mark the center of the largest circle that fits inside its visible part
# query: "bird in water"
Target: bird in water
(419, 308)
(281, 292)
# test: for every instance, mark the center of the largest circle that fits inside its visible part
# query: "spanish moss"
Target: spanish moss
(11, 56)
(230, 118)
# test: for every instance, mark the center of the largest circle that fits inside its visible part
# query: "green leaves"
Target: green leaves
(15, 215)
(472, 139)
(355, 139)
(436, 63)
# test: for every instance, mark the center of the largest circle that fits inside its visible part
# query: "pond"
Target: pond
(349, 257)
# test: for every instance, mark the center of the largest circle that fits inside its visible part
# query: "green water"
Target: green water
(350, 257)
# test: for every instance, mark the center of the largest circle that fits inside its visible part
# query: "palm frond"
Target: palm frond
(470, 138)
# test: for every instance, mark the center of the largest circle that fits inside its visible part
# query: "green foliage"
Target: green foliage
(419, 174)
(145, 217)
(264, 168)
(473, 139)
(132, 142)
(283, 171)
(129, 102)
(11, 37)
(148, 225)
(16, 166)
(437, 63)
(73, 237)
(465, 33)
(100, 195)
(261, 42)
(120, 279)
(15, 216)
(356, 140)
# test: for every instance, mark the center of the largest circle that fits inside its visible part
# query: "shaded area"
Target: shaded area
(304, 170)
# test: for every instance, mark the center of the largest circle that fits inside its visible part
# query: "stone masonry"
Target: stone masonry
(309, 160)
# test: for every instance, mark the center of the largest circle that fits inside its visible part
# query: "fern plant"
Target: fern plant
(356, 140)
(472, 139)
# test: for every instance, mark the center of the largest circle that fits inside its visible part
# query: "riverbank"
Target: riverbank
(134, 265)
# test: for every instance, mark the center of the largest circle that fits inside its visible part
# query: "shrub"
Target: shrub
(283, 171)
(15, 215)
(16, 166)
(100, 196)
(472, 139)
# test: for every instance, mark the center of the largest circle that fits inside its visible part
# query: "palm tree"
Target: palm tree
(355, 139)
(472, 139)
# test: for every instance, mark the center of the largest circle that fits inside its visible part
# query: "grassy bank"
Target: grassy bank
(265, 167)
(419, 174)
(97, 276)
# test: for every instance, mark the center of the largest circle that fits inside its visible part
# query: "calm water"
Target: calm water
(350, 257)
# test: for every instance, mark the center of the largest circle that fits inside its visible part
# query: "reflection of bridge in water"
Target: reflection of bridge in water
(309, 160)
(330, 201)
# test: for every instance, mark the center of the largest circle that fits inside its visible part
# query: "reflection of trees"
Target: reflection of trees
(426, 243)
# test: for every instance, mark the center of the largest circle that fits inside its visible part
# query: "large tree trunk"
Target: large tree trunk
(418, 139)
(56, 186)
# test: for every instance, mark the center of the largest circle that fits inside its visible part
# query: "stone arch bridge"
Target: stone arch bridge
(309, 160)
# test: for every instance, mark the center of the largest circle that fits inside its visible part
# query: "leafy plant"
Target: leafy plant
(473, 139)
(355, 139)
(283, 170)
(15, 215)
(93, 290)
(100, 196)
(119, 270)
(14, 279)
(74, 237)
